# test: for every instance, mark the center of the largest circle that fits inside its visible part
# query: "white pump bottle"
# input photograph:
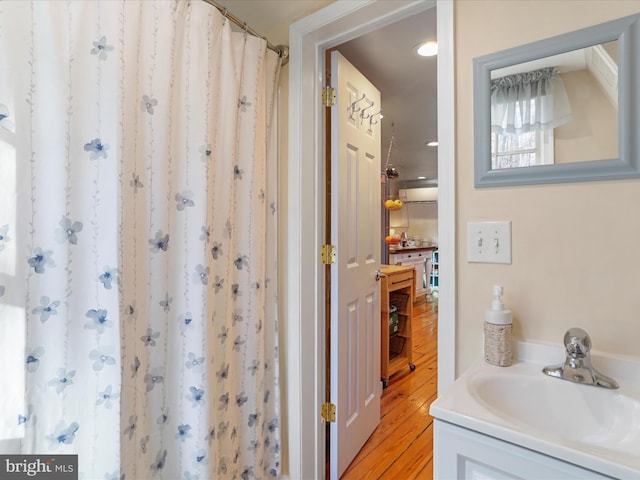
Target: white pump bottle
(498, 325)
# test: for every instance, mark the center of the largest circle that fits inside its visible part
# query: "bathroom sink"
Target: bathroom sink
(592, 427)
(578, 414)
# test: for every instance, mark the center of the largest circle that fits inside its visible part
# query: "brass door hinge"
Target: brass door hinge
(328, 413)
(328, 254)
(328, 96)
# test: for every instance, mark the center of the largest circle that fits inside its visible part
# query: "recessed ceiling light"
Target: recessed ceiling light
(428, 49)
(432, 144)
(422, 178)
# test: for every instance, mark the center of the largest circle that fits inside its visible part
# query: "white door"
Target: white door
(355, 292)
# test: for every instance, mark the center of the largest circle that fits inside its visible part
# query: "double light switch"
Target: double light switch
(489, 242)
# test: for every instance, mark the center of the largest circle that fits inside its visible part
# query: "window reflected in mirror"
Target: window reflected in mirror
(558, 109)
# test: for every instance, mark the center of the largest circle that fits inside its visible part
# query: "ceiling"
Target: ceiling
(407, 82)
(265, 16)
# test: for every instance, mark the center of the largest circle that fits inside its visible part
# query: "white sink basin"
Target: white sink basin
(582, 414)
(593, 427)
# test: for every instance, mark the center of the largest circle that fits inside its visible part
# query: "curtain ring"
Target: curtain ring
(224, 15)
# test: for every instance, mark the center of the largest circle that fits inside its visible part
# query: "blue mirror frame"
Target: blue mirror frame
(626, 31)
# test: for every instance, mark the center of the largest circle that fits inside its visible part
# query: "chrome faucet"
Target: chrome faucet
(577, 366)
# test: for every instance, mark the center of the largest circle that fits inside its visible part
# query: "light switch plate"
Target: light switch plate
(489, 242)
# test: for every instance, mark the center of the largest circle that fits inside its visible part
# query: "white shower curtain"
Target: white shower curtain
(138, 239)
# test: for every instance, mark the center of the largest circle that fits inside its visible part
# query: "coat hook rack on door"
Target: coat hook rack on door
(373, 121)
(354, 107)
(364, 116)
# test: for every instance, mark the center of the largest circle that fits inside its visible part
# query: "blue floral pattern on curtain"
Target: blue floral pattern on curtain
(141, 227)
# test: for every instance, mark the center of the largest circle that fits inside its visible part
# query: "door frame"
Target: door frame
(303, 289)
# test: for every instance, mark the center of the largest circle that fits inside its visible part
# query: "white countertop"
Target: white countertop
(620, 458)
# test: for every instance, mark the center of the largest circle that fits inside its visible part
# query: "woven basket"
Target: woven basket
(399, 300)
(497, 344)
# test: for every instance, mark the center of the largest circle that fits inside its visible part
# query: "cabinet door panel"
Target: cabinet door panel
(464, 454)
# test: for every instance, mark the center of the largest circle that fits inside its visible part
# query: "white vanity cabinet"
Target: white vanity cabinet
(498, 423)
(421, 261)
(460, 453)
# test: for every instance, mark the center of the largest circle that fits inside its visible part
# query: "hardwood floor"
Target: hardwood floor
(402, 445)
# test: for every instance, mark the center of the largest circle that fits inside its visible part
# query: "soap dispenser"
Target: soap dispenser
(498, 326)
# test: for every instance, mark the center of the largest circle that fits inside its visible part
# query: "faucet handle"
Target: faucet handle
(577, 342)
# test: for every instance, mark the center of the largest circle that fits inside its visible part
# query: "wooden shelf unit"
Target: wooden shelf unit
(397, 289)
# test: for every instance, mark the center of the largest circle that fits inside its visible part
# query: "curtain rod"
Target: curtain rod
(281, 50)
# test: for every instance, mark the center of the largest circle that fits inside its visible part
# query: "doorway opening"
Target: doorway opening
(407, 114)
(305, 302)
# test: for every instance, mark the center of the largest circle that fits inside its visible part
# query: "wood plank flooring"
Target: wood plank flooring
(402, 445)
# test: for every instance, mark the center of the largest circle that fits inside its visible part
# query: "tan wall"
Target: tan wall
(593, 133)
(277, 36)
(417, 219)
(576, 260)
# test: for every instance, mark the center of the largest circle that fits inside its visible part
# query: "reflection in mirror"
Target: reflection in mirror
(563, 109)
(558, 109)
